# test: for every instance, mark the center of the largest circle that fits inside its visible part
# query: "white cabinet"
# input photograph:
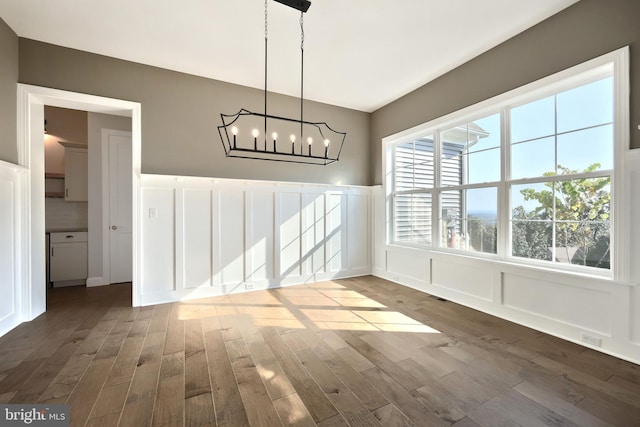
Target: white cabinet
(75, 174)
(68, 256)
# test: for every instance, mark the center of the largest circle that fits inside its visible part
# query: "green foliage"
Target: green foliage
(580, 210)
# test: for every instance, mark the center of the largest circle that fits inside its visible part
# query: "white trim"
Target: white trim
(31, 101)
(615, 63)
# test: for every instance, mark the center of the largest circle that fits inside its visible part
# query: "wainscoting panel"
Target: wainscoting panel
(557, 302)
(290, 235)
(358, 246)
(313, 226)
(464, 278)
(197, 222)
(230, 241)
(205, 237)
(405, 265)
(260, 232)
(158, 240)
(336, 232)
(8, 302)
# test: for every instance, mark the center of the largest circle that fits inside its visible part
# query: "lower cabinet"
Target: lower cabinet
(68, 258)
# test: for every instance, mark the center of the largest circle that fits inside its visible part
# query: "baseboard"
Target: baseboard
(96, 281)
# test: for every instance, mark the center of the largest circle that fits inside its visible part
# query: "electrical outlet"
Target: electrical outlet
(591, 340)
(248, 286)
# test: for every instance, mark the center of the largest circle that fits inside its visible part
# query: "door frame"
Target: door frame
(31, 101)
(106, 200)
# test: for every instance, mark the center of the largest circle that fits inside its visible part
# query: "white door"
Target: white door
(120, 216)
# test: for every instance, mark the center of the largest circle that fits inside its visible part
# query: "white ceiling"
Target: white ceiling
(360, 54)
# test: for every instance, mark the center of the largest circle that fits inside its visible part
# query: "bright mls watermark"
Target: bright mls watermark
(34, 415)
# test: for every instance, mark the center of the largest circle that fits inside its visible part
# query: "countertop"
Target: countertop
(65, 230)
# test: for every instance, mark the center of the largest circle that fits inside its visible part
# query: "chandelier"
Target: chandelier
(263, 136)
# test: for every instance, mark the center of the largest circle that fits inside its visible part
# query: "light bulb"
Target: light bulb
(234, 130)
(292, 138)
(309, 140)
(274, 136)
(255, 133)
(326, 142)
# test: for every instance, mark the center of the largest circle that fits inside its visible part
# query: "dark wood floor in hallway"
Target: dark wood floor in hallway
(352, 352)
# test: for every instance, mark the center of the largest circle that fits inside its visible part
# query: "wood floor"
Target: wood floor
(358, 352)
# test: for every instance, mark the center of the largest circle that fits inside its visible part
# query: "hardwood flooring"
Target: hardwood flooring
(353, 352)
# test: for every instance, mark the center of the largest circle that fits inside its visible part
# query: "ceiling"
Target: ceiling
(360, 54)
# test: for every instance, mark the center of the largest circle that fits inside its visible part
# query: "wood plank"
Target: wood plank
(228, 404)
(390, 416)
(138, 408)
(257, 403)
(198, 406)
(110, 401)
(292, 411)
(382, 362)
(349, 406)
(559, 406)
(168, 409)
(402, 399)
(365, 392)
(317, 402)
(174, 341)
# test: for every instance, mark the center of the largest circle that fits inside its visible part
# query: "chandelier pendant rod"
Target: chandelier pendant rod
(266, 58)
(302, 80)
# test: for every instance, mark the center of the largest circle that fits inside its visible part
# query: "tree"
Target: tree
(580, 209)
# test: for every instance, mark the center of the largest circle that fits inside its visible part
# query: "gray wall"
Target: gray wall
(180, 114)
(8, 80)
(583, 31)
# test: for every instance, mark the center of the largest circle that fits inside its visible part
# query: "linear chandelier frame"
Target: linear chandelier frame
(272, 149)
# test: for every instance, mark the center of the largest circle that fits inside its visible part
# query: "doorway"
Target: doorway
(31, 101)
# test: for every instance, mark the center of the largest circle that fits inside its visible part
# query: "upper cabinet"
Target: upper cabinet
(75, 174)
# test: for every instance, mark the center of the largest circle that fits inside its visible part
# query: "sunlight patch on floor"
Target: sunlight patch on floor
(327, 305)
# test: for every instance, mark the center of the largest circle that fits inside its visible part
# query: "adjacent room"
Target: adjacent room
(292, 212)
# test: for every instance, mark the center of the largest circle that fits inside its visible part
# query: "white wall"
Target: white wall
(204, 237)
(562, 304)
(10, 233)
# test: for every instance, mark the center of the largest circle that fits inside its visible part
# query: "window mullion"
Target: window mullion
(504, 193)
(435, 192)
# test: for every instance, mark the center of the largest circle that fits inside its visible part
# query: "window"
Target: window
(527, 176)
(561, 170)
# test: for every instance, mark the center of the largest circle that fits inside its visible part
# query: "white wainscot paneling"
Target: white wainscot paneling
(8, 284)
(403, 265)
(231, 238)
(204, 237)
(634, 205)
(313, 219)
(464, 277)
(358, 231)
(158, 241)
(576, 306)
(290, 234)
(336, 231)
(634, 321)
(197, 247)
(260, 232)
(379, 229)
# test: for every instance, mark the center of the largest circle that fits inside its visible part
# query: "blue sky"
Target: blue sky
(534, 142)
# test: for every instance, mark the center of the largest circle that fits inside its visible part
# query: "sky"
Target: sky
(583, 117)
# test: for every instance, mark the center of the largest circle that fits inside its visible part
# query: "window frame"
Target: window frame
(615, 64)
